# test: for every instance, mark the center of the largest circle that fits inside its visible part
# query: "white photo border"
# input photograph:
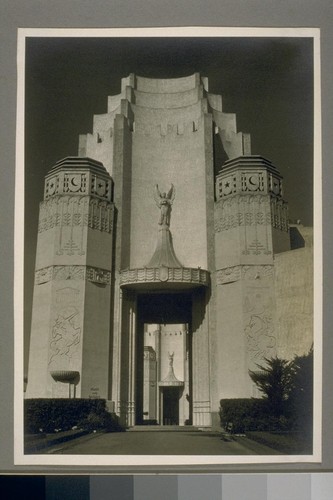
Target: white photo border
(162, 460)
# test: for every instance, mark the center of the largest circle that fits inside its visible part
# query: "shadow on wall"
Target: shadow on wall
(296, 239)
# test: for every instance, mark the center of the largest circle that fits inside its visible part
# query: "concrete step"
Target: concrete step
(163, 428)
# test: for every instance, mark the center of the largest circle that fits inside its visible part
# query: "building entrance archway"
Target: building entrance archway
(163, 342)
(163, 359)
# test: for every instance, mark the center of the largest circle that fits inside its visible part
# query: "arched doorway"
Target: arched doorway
(163, 359)
(176, 300)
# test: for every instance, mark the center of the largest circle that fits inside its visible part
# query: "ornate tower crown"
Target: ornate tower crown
(247, 175)
(78, 176)
(251, 209)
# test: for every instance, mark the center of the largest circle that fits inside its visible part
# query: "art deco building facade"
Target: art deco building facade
(162, 277)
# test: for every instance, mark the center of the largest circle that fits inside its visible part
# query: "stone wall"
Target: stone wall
(294, 297)
(165, 159)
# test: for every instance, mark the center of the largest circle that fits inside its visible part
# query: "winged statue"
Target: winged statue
(164, 202)
(170, 356)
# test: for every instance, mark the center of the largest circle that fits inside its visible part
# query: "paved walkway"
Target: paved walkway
(161, 443)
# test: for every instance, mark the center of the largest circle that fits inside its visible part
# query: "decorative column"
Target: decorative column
(127, 359)
(201, 403)
(251, 225)
(187, 383)
(149, 384)
(70, 331)
(132, 360)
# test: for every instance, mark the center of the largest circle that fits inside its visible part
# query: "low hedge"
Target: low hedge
(241, 415)
(106, 421)
(52, 415)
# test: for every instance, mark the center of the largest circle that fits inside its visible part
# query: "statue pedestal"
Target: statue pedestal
(164, 255)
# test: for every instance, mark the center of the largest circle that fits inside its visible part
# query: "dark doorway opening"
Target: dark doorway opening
(164, 307)
(171, 406)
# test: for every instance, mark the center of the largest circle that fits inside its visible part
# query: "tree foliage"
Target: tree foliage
(286, 403)
(300, 400)
(287, 386)
(275, 381)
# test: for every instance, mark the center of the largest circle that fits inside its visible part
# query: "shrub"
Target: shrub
(239, 415)
(102, 421)
(243, 415)
(47, 415)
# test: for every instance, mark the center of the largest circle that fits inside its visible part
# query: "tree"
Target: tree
(275, 381)
(301, 394)
(287, 387)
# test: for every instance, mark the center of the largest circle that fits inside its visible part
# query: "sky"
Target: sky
(267, 82)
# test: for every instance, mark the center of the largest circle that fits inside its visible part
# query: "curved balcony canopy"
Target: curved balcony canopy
(163, 277)
(164, 271)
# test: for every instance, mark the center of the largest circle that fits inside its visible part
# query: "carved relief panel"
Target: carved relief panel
(78, 183)
(66, 329)
(275, 185)
(71, 214)
(235, 273)
(253, 214)
(71, 238)
(100, 187)
(259, 329)
(226, 186)
(253, 181)
(51, 186)
(279, 214)
(56, 273)
(75, 183)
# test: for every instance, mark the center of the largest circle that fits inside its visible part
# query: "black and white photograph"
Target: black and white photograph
(168, 202)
